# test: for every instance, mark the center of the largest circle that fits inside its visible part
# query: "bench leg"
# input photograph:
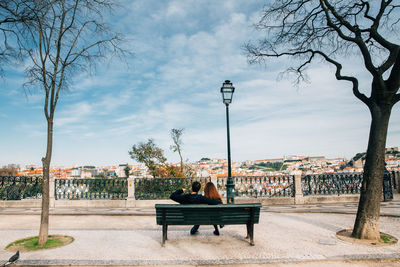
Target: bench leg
(252, 234)
(248, 230)
(164, 233)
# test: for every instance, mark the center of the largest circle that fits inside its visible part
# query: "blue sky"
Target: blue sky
(183, 51)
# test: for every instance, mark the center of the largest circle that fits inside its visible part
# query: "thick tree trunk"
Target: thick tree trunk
(44, 217)
(366, 225)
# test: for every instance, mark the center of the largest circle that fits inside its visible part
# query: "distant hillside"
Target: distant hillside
(389, 151)
(269, 166)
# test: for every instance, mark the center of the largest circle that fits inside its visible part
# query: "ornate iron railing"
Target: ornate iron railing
(331, 184)
(17, 188)
(259, 186)
(161, 188)
(111, 189)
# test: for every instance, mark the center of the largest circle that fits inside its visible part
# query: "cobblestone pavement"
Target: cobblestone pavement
(301, 235)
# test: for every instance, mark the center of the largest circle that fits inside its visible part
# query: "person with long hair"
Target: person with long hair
(211, 192)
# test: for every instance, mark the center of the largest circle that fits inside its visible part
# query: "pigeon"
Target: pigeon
(13, 259)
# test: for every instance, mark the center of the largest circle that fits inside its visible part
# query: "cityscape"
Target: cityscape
(215, 167)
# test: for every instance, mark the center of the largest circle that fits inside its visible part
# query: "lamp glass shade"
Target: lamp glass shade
(227, 92)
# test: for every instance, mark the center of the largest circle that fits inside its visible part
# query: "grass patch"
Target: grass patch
(388, 239)
(31, 243)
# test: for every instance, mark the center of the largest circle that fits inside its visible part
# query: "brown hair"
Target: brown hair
(211, 191)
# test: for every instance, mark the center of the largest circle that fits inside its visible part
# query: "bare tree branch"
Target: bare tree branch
(393, 82)
(15, 18)
(328, 8)
(338, 75)
(396, 99)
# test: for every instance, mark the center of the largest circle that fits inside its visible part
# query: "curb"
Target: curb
(355, 257)
(333, 212)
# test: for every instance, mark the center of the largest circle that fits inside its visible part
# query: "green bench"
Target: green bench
(178, 214)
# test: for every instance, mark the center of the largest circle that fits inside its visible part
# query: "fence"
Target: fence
(18, 188)
(331, 184)
(111, 189)
(131, 192)
(260, 186)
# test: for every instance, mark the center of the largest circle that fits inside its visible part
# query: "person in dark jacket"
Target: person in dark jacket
(193, 198)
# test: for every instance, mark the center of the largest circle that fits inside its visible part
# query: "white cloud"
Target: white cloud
(75, 113)
(176, 9)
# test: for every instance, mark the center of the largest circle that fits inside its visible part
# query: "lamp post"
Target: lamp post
(227, 90)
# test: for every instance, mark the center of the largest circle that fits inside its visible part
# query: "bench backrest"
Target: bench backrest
(177, 214)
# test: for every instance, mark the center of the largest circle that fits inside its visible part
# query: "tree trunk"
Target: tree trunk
(180, 155)
(44, 217)
(366, 225)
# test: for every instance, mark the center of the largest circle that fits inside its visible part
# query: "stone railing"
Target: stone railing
(140, 192)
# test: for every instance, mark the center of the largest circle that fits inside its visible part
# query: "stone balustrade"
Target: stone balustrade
(143, 192)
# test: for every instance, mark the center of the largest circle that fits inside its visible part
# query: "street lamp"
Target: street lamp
(227, 90)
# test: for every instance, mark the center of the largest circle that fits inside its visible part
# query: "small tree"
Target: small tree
(149, 154)
(168, 170)
(331, 30)
(9, 170)
(127, 169)
(67, 37)
(176, 135)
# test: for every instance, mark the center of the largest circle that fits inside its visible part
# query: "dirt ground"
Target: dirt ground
(345, 235)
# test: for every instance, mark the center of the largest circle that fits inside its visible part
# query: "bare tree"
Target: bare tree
(67, 37)
(9, 170)
(176, 135)
(330, 30)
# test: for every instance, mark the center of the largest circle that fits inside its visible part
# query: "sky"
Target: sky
(183, 52)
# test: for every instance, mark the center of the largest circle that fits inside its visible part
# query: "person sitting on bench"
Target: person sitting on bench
(193, 198)
(211, 191)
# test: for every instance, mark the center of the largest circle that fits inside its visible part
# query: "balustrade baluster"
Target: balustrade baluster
(351, 183)
(337, 184)
(342, 184)
(320, 184)
(313, 184)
